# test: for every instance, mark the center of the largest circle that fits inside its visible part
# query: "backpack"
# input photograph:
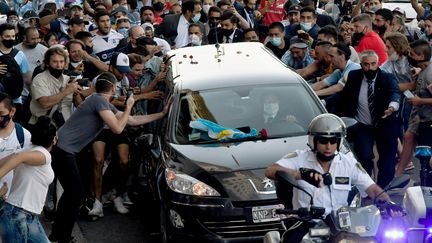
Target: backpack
(12, 82)
(19, 130)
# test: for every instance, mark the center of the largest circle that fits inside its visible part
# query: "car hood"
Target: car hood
(230, 157)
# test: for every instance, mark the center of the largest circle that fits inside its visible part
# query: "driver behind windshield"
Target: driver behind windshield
(272, 112)
(325, 135)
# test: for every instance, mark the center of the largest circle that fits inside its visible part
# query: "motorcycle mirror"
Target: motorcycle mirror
(284, 184)
(398, 182)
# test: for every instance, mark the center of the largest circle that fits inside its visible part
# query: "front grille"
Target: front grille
(240, 227)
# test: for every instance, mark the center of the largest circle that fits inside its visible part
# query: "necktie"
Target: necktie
(370, 96)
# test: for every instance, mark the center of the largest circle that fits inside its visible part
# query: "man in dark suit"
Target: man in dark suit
(228, 32)
(372, 97)
(174, 28)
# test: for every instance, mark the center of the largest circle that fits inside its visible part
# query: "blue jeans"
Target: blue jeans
(18, 225)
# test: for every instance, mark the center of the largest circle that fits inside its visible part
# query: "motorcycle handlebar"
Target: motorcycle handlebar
(309, 213)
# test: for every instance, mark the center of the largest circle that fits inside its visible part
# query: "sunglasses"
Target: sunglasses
(325, 140)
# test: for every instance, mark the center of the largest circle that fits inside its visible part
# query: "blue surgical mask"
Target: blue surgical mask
(123, 31)
(276, 41)
(196, 18)
(305, 26)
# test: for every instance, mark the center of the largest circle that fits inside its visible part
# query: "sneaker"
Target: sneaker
(119, 207)
(126, 200)
(97, 209)
(108, 197)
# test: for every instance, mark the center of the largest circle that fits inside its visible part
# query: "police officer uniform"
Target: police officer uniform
(345, 171)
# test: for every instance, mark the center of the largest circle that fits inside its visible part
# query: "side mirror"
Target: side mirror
(398, 182)
(349, 122)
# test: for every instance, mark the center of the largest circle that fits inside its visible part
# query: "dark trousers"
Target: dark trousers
(385, 137)
(66, 170)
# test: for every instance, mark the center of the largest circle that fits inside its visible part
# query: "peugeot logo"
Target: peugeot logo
(267, 183)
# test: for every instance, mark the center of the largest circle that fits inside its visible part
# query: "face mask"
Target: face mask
(276, 41)
(196, 18)
(306, 26)
(123, 31)
(206, 8)
(429, 36)
(89, 49)
(227, 32)
(31, 46)
(4, 121)
(394, 57)
(356, 38)
(56, 73)
(249, 9)
(380, 29)
(324, 158)
(8, 43)
(159, 6)
(370, 74)
(195, 40)
(374, 8)
(271, 109)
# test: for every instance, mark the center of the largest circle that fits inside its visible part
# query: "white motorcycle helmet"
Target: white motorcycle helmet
(326, 125)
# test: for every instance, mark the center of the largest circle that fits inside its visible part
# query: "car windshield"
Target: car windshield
(282, 110)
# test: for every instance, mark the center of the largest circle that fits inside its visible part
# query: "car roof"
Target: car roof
(247, 63)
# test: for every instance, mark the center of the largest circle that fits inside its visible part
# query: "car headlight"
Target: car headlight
(182, 183)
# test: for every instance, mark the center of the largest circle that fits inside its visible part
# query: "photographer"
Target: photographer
(52, 91)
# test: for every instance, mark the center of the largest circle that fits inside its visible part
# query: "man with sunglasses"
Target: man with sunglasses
(324, 160)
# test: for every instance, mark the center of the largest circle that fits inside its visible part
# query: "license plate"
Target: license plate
(266, 213)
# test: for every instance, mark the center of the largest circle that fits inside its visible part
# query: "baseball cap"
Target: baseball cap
(75, 20)
(122, 18)
(294, 8)
(76, 4)
(121, 62)
(30, 15)
(147, 26)
(142, 41)
(298, 43)
(399, 10)
(120, 9)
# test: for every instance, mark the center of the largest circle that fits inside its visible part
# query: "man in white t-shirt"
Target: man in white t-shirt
(105, 39)
(9, 141)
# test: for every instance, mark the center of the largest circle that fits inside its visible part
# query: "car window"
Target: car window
(282, 110)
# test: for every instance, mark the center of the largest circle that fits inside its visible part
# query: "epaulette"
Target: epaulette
(290, 155)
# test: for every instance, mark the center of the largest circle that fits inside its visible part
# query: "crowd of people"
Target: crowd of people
(66, 68)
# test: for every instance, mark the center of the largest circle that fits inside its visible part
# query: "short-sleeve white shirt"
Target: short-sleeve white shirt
(9, 145)
(345, 172)
(30, 183)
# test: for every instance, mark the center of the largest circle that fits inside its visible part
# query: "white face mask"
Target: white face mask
(206, 8)
(195, 40)
(271, 109)
(394, 57)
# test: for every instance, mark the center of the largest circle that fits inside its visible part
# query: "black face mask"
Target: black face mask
(31, 46)
(56, 73)
(159, 6)
(8, 43)
(227, 32)
(380, 29)
(89, 49)
(370, 74)
(356, 38)
(324, 158)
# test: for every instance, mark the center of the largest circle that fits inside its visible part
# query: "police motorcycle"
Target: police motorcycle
(355, 223)
(418, 201)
